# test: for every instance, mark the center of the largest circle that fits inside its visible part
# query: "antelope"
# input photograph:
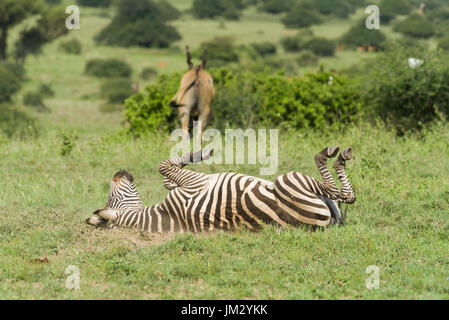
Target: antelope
(194, 96)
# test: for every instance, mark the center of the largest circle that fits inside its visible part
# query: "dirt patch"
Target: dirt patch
(142, 239)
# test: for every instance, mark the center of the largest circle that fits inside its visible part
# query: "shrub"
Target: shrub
(17, 69)
(206, 9)
(220, 50)
(296, 42)
(443, 43)
(116, 90)
(150, 110)
(269, 99)
(45, 90)
(167, 12)
(301, 15)
(139, 23)
(320, 46)
(306, 41)
(408, 97)
(442, 28)
(415, 25)
(306, 58)
(339, 8)
(389, 9)
(68, 142)
(72, 46)
(108, 68)
(94, 3)
(264, 48)
(34, 99)
(359, 35)
(277, 6)
(9, 84)
(15, 123)
(148, 73)
(290, 43)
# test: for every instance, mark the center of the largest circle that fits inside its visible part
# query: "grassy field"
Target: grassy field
(399, 222)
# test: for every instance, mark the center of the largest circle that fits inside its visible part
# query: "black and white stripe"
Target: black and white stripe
(199, 203)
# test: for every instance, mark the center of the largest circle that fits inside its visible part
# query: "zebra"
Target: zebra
(199, 202)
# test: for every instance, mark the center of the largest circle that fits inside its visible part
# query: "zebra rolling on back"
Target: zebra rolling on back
(199, 202)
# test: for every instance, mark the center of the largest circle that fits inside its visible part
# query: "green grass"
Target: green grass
(399, 222)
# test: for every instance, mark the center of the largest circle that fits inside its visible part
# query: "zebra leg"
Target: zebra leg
(347, 194)
(321, 163)
(327, 188)
(177, 177)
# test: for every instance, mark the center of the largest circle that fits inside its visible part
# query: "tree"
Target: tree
(139, 23)
(302, 15)
(206, 9)
(415, 25)
(49, 26)
(13, 12)
(359, 35)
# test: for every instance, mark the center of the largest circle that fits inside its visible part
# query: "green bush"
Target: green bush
(443, 43)
(206, 9)
(108, 68)
(339, 8)
(296, 42)
(277, 6)
(359, 35)
(151, 110)
(9, 84)
(301, 15)
(72, 46)
(291, 43)
(306, 58)
(264, 48)
(17, 69)
(415, 25)
(148, 73)
(94, 3)
(16, 123)
(314, 100)
(116, 90)
(45, 90)
(68, 142)
(389, 9)
(167, 12)
(442, 28)
(305, 40)
(320, 46)
(220, 50)
(139, 23)
(34, 99)
(408, 97)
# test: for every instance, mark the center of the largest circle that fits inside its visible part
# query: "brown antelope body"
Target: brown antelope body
(194, 96)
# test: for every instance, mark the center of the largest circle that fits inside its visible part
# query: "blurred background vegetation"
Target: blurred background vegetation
(283, 53)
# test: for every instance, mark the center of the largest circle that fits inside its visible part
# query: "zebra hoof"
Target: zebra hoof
(207, 153)
(331, 152)
(347, 154)
(96, 221)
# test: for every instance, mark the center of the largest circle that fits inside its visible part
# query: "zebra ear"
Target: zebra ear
(107, 214)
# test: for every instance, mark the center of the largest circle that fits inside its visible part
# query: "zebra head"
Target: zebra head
(122, 197)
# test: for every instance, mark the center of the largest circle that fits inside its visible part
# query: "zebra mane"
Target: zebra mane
(121, 174)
